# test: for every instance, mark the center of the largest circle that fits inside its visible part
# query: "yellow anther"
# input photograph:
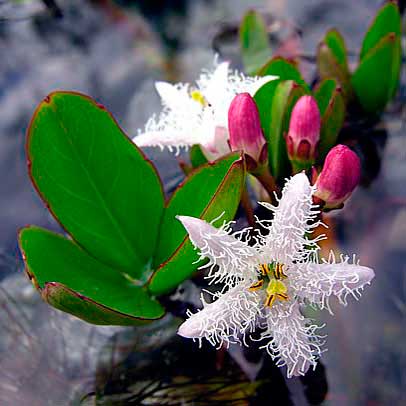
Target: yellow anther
(198, 96)
(265, 269)
(278, 271)
(256, 286)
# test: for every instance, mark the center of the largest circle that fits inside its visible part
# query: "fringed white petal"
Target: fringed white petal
(292, 339)
(180, 123)
(227, 320)
(214, 85)
(293, 219)
(175, 96)
(318, 282)
(230, 259)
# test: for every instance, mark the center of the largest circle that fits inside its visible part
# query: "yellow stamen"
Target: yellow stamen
(279, 274)
(276, 290)
(257, 285)
(265, 269)
(270, 300)
(198, 96)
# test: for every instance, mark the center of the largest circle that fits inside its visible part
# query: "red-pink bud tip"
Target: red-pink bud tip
(340, 175)
(244, 126)
(304, 131)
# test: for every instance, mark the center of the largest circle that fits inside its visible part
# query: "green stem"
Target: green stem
(267, 181)
(247, 206)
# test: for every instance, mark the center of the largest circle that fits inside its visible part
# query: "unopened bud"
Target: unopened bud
(244, 126)
(340, 175)
(304, 133)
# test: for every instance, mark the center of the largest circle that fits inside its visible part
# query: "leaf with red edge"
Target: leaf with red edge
(209, 191)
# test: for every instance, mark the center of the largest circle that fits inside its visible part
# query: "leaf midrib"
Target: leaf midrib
(104, 205)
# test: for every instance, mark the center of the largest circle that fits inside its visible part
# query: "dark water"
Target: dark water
(50, 358)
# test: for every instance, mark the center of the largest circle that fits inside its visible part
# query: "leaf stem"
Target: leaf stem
(247, 206)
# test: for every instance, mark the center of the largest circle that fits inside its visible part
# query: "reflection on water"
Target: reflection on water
(50, 358)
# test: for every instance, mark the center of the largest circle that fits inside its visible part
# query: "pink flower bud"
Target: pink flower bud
(304, 133)
(244, 126)
(340, 175)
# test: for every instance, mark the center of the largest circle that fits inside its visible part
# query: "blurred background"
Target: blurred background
(114, 51)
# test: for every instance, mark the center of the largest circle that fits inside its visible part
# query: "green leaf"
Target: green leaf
(208, 192)
(254, 42)
(377, 76)
(335, 41)
(332, 62)
(197, 158)
(284, 69)
(263, 99)
(285, 97)
(100, 295)
(332, 111)
(95, 181)
(387, 20)
(324, 92)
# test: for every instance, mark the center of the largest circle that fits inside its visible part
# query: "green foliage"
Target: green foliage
(284, 70)
(286, 95)
(376, 78)
(387, 20)
(175, 253)
(197, 158)
(332, 62)
(380, 52)
(332, 111)
(73, 281)
(254, 42)
(109, 199)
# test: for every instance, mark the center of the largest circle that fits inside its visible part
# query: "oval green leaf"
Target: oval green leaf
(387, 20)
(72, 281)
(332, 110)
(373, 88)
(332, 62)
(285, 97)
(254, 42)
(284, 69)
(208, 192)
(95, 181)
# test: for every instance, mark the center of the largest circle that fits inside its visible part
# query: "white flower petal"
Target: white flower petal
(230, 259)
(293, 340)
(225, 321)
(293, 219)
(173, 96)
(214, 86)
(318, 282)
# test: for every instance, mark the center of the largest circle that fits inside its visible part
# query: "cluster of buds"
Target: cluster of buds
(340, 175)
(244, 126)
(304, 133)
(341, 172)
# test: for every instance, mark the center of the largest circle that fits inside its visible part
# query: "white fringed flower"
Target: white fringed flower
(198, 114)
(267, 283)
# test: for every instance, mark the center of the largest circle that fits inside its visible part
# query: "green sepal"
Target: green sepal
(101, 295)
(211, 190)
(254, 42)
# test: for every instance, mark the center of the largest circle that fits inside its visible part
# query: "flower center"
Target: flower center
(272, 274)
(198, 96)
